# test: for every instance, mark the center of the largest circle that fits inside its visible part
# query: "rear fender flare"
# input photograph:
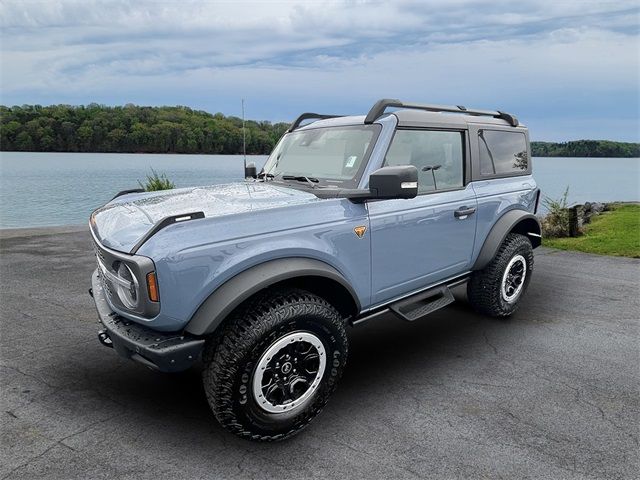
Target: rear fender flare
(513, 221)
(239, 288)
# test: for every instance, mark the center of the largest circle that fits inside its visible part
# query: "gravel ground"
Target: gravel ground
(553, 392)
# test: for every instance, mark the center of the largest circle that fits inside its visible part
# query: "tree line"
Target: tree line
(136, 129)
(585, 148)
(131, 129)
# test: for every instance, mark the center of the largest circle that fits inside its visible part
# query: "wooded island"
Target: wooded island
(136, 129)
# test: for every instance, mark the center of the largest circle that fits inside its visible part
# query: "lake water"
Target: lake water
(45, 189)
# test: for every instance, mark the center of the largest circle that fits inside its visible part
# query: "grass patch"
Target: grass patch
(156, 182)
(616, 232)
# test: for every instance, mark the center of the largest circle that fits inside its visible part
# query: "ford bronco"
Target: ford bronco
(351, 218)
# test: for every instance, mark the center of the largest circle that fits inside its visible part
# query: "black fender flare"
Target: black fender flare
(247, 283)
(514, 220)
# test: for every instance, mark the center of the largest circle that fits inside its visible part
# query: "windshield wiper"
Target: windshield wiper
(301, 178)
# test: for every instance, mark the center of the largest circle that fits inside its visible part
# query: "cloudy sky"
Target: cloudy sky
(569, 69)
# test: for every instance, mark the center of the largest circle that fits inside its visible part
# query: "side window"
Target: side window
(438, 156)
(502, 152)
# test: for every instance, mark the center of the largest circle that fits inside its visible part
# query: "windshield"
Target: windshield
(328, 156)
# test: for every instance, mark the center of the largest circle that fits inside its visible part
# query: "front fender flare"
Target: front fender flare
(518, 220)
(245, 284)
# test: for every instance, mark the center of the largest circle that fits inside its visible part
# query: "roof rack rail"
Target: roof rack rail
(381, 105)
(307, 116)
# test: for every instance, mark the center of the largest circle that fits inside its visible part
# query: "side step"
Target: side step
(422, 304)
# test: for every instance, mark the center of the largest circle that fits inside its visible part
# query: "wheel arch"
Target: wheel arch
(513, 221)
(305, 273)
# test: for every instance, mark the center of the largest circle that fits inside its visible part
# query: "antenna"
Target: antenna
(244, 139)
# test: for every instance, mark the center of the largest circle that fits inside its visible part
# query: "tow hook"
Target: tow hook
(104, 338)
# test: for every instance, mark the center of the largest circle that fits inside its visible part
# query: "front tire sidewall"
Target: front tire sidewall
(229, 373)
(245, 403)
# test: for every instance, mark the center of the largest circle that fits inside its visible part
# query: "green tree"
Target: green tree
(24, 142)
(131, 128)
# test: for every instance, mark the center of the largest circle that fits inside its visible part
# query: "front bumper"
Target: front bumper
(166, 352)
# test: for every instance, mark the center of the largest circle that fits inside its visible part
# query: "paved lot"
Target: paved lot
(552, 393)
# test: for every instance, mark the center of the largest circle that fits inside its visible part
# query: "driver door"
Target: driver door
(421, 241)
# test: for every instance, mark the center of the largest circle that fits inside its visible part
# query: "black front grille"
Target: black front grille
(105, 285)
(99, 252)
(101, 257)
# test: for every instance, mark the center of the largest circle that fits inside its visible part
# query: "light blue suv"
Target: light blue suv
(350, 219)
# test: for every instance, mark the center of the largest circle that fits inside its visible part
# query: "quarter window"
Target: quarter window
(438, 156)
(502, 152)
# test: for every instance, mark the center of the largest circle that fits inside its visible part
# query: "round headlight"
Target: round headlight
(128, 288)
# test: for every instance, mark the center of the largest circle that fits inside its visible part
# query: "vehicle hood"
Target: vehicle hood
(124, 221)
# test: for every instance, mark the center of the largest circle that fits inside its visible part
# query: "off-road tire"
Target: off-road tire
(231, 358)
(484, 287)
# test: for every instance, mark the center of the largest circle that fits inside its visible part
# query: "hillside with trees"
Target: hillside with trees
(131, 129)
(585, 148)
(135, 129)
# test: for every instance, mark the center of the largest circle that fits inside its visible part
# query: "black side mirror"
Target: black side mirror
(250, 170)
(394, 182)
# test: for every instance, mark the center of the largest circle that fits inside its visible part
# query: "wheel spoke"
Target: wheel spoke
(311, 363)
(267, 378)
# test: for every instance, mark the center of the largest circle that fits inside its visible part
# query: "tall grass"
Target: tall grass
(556, 222)
(156, 182)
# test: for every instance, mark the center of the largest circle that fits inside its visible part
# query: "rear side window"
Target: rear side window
(502, 152)
(438, 156)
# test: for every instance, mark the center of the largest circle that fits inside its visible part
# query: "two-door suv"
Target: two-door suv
(351, 218)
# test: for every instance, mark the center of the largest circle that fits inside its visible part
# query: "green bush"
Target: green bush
(156, 182)
(556, 222)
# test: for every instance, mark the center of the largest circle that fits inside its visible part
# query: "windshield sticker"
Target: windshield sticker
(351, 161)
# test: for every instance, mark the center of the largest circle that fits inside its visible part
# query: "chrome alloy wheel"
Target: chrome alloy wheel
(289, 372)
(513, 278)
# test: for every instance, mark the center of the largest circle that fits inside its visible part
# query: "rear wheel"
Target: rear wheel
(497, 289)
(275, 364)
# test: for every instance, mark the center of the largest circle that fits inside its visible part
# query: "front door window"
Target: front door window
(438, 156)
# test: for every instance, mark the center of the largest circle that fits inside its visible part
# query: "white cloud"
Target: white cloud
(335, 54)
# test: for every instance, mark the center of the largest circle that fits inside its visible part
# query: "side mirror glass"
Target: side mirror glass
(250, 170)
(394, 182)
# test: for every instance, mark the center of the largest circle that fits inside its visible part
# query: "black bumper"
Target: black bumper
(166, 352)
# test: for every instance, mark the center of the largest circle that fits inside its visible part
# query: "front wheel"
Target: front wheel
(497, 289)
(275, 364)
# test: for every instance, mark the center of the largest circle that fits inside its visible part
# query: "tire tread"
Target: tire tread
(223, 354)
(483, 289)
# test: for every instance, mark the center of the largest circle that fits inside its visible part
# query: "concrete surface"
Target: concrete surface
(551, 393)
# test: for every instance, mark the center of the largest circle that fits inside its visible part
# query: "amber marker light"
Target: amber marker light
(152, 287)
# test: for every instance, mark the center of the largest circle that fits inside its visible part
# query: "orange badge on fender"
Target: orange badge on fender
(360, 231)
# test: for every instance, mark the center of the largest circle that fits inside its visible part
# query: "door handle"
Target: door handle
(464, 212)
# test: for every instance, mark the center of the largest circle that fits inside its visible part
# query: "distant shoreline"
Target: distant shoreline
(586, 148)
(249, 155)
(181, 130)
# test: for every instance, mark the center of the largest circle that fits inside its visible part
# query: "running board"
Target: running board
(416, 305)
(421, 304)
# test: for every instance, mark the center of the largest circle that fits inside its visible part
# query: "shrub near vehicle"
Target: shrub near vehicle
(351, 218)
